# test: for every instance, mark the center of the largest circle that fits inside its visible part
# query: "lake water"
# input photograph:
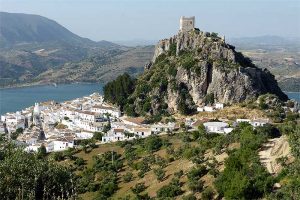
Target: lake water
(14, 99)
(294, 95)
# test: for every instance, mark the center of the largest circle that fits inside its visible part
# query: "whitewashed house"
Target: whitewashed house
(142, 132)
(89, 116)
(60, 144)
(259, 122)
(114, 135)
(216, 127)
(160, 127)
(106, 110)
(33, 147)
(84, 135)
(200, 109)
(2, 127)
(208, 109)
(219, 106)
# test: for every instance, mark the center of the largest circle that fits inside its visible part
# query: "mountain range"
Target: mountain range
(38, 50)
(32, 47)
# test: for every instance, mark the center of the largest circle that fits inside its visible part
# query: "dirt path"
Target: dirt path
(273, 149)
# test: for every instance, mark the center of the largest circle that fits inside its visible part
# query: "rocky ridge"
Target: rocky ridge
(194, 68)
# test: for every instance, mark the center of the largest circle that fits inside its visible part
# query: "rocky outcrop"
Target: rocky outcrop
(190, 66)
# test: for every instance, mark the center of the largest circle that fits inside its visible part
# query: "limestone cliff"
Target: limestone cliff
(192, 67)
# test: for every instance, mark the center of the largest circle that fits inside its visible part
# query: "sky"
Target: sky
(125, 20)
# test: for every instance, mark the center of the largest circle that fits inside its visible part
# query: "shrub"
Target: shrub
(170, 190)
(160, 174)
(138, 188)
(128, 177)
(207, 194)
(195, 185)
(153, 143)
(98, 136)
(189, 197)
(79, 161)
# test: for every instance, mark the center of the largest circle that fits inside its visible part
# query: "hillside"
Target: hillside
(100, 68)
(33, 47)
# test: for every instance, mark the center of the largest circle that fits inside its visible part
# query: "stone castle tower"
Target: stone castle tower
(187, 23)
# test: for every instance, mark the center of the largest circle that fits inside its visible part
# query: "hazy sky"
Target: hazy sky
(155, 19)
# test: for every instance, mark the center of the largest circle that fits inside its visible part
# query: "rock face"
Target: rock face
(191, 66)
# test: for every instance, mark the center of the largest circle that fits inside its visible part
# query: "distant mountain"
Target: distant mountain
(265, 42)
(32, 47)
(16, 28)
(277, 54)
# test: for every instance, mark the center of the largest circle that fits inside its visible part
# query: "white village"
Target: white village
(57, 126)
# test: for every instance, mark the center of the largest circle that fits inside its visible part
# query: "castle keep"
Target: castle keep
(187, 23)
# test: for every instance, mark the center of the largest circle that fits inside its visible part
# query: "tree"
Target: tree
(128, 177)
(98, 136)
(138, 188)
(107, 127)
(24, 174)
(118, 90)
(160, 174)
(171, 190)
(153, 143)
(14, 135)
(79, 162)
(213, 34)
(58, 156)
(207, 194)
(42, 152)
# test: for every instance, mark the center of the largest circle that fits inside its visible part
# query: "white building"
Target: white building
(187, 23)
(259, 122)
(219, 106)
(84, 135)
(107, 110)
(2, 127)
(114, 135)
(200, 109)
(216, 127)
(142, 132)
(89, 116)
(160, 127)
(60, 144)
(208, 109)
(243, 120)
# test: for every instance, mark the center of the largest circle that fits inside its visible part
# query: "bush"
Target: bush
(189, 197)
(138, 188)
(98, 136)
(127, 177)
(79, 162)
(195, 185)
(160, 174)
(170, 190)
(153, 143)
(207, 194)
(197, 172)
(58, 156)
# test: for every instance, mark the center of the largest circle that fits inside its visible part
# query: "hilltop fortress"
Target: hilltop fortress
(187, 23)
